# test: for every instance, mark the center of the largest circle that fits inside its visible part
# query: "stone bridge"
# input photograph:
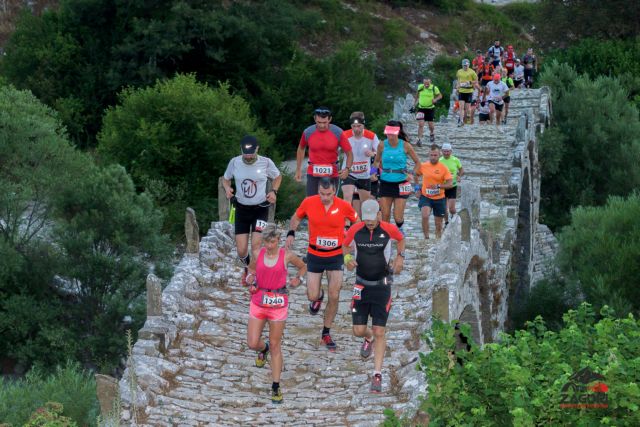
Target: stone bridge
(191, 365)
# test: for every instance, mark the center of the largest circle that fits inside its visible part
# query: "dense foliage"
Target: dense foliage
(71, 387)
(76, 240)
(593, 150)
(520, 380)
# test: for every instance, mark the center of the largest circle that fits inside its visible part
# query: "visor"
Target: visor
(392, 130)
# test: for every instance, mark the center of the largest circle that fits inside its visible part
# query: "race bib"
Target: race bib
(322, 170)
(405, 188)
(273, 300)
(360, 167)
(357, 292)
(420, 116)
(465, 84)
(326, 243)
(432, 191)
(260, 225)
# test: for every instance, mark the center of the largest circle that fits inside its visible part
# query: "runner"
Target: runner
(372, 290)
(466, 81)
(426, 98)
(487, 72)
(326, 214)
(497, 90)
(250, 173)
(484, 112)
(391, 159)
(270, 302)
(478, 62)
(455, 168)
(506, 79)
(495, 53)
(364, 144)
(518, 75)
(435, 179)
(323, 140)
(530, 67)
(473, 106)
(510, 59)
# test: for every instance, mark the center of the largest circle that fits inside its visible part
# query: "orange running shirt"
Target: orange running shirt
(432, 175)
(326, 226)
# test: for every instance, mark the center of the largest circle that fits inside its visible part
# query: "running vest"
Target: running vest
(394, 158)
(487, 71)
(269, 278)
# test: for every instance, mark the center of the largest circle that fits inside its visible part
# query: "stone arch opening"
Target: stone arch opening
(476, 278)
(521, 260)
(469, 316)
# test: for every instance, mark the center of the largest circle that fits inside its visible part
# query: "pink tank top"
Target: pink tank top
(269, 278)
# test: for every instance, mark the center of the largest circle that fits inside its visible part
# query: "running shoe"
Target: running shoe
(326, 339)
(432, 138)
(261, 358)
(367, 347)
(314, 307)
(276, 396)
(376, 383)
(419, 143)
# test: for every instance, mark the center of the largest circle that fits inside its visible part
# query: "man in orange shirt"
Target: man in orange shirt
(326, 214)
(435, 179)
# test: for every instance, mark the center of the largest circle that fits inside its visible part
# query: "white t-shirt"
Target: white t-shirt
(361, 166)
(485, 109)
(518, 72)
(497, 91)
(251, 180)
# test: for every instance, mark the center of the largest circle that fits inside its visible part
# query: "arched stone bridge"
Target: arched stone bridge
(191, 366)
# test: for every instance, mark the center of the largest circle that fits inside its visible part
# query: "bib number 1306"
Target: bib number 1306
(326, 243)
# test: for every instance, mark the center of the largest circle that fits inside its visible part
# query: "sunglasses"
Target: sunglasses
(322, 112)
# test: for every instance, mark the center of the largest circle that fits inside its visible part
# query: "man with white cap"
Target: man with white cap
(371, 241)
(250, 173)
(466, 82)
(455, 167)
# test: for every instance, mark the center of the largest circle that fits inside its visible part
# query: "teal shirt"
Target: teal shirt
(393, 158)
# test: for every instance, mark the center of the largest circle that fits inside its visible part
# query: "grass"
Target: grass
(70, 385)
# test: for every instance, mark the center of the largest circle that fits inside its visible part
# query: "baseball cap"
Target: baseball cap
(465, 62)
(446, 146)
(496, 76)
(249, 144)
(370, 209)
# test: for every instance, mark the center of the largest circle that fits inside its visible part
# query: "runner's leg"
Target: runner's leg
(276, 330)
(335, 283)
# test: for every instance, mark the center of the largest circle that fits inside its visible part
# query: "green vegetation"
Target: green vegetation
(593, 150)
(28, 401)
(520, 380)
(77, 242)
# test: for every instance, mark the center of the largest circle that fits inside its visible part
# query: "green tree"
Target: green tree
(593, 149)
(600, 251)
(520, 380)
(78, 242)
(176, 139)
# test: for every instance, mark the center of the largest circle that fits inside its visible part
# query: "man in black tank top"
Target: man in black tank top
(371, 240)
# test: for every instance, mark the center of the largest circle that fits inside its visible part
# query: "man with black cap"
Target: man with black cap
(323, 139)
(371, 240)
(250, 173)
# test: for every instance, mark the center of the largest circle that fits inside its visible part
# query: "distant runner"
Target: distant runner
(427, 97)
(371, 240)
(455, 168)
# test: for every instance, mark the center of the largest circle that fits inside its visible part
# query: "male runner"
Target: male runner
(455, 167)
(435, 179)
(326, 214)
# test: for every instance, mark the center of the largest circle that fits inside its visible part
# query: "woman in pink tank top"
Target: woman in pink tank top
(270, 301)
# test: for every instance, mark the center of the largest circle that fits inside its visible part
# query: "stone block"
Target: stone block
(192, 232)
(107, 392)
(440, 303)
(154, 296)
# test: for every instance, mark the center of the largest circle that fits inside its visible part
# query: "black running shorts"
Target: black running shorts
(361, 184)
(318, 264)
(451, 193)
(371, 301)
(250, 218)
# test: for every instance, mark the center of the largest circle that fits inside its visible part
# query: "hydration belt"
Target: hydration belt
(394, 170)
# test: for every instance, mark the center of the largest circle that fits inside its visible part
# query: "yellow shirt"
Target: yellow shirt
(466, 79)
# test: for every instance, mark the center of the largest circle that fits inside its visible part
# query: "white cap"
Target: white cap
(370, 209)
(446, 146)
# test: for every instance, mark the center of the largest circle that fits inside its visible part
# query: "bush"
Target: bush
(290, 195)
(600, 251)
(179, 135)
(73, 388)
(520, 380)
